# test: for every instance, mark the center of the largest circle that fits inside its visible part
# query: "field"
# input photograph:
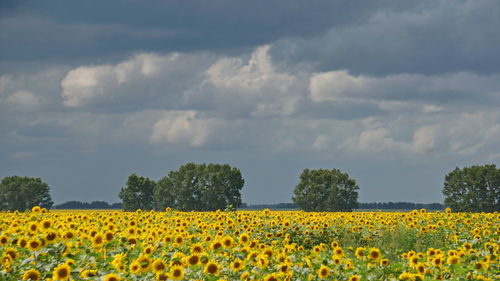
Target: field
(248, 245)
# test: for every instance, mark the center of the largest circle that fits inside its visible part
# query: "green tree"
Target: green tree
(326, 190)
(200, 187)
(138, 194)
(23, 193)
(473, 189)
(163, 195)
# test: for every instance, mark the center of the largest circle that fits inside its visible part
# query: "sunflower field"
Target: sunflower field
(248, 245)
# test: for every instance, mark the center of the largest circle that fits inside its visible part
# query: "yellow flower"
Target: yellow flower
(159, 265)
(323, 272)
(161, 276)
(360, 252)
(212, 268)
(112, 277)
(374, 254)
(61, 272)
(227, 242)
(271, 277)
(354, 278)
(176, 273)
(88, 273)
(135, 267)
(452, 260)
(193, 259)
(32, 275)
(244, 239)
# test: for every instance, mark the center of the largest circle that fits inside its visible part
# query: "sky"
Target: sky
(394, 93)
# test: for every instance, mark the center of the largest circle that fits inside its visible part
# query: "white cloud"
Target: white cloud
(399, 91)
(84, 84)
(336, 85)
(255, 86)
(140, 81)
(375, 140)
(182, 127)
(23, 99)
(424, 139)
(431, 108)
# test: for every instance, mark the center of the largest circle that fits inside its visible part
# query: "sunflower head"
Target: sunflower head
(32, 275)
(61, 272)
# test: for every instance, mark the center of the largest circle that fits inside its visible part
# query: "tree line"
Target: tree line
(194, 187)
(94, 205)
(207, 187)
(361, 206)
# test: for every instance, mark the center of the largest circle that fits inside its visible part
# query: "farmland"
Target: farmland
(248, 245)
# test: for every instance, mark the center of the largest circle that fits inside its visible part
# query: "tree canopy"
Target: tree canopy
(138, 194)
(473, 189)
(23, 193)
(326, 190)
(200, 187)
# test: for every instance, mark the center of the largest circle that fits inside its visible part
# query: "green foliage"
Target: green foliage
(326, 190)
(138, 194)
(23, 193)
(473, 189)
(200, 187)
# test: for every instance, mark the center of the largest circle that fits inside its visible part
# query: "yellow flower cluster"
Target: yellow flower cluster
(248, 245)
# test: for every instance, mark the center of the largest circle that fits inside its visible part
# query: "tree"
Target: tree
(326, 190)
(138, 194)
(200, 187)
(23, 193)
(473, 189)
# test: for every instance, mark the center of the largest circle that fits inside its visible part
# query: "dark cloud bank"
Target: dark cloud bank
(396, 93)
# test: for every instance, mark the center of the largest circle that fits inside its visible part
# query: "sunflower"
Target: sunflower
(61, 272)
(144, 263)
(197, 248)
(262, 261)
(338, 251)
(420, 267)
(227, 242)
(11, 252)
(86, 273)
(135, 267)
(418, 277)
(452, 260)
(176, 273)
(193, 259)
(3, 239)
(215, 245)
(212, 268)
(97, 241)
(244, 239)
(237, 265)
(161, 276)
(360, 252)
(271, 277)
(384, 262)
(132, 240)
(34, 244)
(323, 272)
(22, 243)
(355, 278)
(112, 277)
(159, 265)
(108, 236)
(32, 274)
(374, 254)
(50, 237)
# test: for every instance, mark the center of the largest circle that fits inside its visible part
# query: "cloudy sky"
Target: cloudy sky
(395, 93)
